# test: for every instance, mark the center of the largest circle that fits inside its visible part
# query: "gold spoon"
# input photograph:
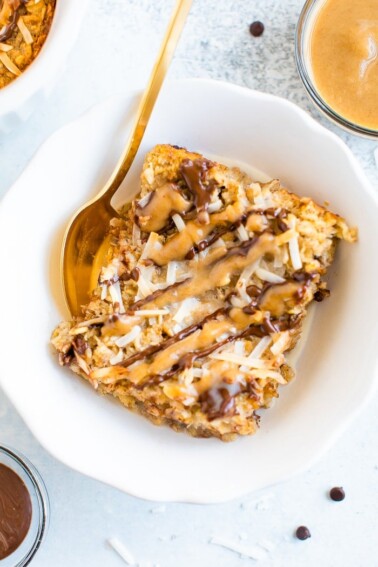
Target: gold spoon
(85, 240)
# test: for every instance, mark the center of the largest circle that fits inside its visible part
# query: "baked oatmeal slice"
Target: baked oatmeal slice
(202, 294)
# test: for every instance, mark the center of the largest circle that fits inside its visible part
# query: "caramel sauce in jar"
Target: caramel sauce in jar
(344, 59)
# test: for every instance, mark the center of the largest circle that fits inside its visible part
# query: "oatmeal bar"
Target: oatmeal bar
(204, 290)
(24, 25)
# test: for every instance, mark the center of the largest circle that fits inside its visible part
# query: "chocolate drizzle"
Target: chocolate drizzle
(194, 173)
(159, 292)
(186, 361)
(218, 402)
(149, 351)
(15, 511)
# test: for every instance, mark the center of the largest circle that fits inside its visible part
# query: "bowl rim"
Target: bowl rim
(42, 499)
(183, 495)
(67, 18)
(302, 29)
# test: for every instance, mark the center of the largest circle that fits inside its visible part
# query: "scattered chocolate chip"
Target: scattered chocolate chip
(256, 29)
(303, 533)
(321, 294)
(337, 493)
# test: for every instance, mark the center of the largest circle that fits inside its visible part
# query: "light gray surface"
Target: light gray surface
(115, 51)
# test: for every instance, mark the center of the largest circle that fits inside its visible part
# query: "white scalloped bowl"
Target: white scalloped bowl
(336, 370)
(19, 99)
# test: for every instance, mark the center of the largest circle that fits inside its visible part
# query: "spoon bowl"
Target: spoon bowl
(86, 240)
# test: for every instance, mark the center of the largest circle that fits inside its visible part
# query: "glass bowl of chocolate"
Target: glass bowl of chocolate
(24, 509)
(337, 60)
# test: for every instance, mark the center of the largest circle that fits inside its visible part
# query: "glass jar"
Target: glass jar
(26, 551)
(305, 26)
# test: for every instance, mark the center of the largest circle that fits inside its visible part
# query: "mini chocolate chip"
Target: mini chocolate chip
(337, 493)
(321, 294)
(303, 533)
(256, 29)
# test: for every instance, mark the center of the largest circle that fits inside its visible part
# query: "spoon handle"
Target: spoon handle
(149, 97)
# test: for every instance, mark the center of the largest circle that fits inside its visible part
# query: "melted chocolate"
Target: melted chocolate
(240, 250)
(188, 359)
(133, 275)
(138, 304)
(321, 294)
(149, 351)
(194, 173)
(218, 402)
(15, 511)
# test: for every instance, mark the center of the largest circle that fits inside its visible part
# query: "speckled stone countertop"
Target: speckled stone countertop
(115, 52)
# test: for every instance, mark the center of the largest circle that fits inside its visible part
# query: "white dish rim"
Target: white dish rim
(368, 394)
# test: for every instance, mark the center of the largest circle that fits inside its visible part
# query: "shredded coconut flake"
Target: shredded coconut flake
(269, 276)
(5, 47)
(153, 243)
(219, 243)
(171, 273)
(122, 551)
(247, 273)
(24, 31)
(242, 233)
(273, 374)
(145, 287)
(252, 552)
(8, 63)
(149, 174)
(197, 372)
(144, 200)
(277, 262)
(260, 348)
(180, 225)
(117, 358)
(260, 201)
(81, 362)
(129, 337)
(185, 309)
(242, 360)
(115, 294)
(239, 348)
(152, 312)
(214, 207)
(78, 330)
(136, 234)
(104, 291)
(279, 346)
(294, 246)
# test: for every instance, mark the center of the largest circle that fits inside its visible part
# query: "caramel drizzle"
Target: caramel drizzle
(149, 351)
(168, 200)
(266, 314)
(178, 245)
(211, 274)
(200, 339)
(9, 14)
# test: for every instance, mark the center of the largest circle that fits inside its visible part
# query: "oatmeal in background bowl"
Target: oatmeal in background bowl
(24, 26)
(36, 36)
